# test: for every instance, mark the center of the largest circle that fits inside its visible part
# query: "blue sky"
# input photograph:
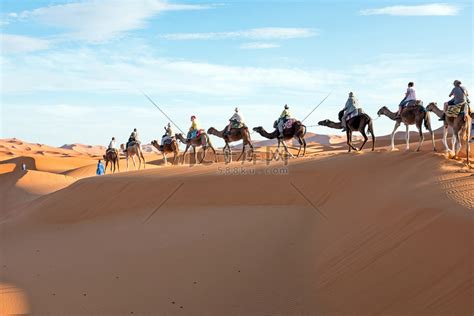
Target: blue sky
(71, 71)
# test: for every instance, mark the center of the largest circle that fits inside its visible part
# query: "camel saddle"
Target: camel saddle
(111, 150)
(458, 109)
(289, 123)
(167, 140)
(413, 103)
(351, 115)
(236, 124)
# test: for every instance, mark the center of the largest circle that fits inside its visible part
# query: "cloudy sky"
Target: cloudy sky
(72, 71)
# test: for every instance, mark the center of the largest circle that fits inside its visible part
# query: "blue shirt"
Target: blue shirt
(100, 169)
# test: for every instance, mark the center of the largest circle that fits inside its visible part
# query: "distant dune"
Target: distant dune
(333, 233)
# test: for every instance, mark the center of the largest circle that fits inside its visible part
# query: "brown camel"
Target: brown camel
(461, 129)
(171, 147)
(134, 149)
(411, 115)
(112, 156)
(297, 130)
(201, 141)
(235, 135)
(355, 124)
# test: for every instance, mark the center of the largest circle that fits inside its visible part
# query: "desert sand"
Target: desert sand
(371, 233)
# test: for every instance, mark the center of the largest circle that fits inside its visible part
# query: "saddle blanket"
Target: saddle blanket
(455, 110)
(289, 123)
(166, 140)
(359, 111)
(237, 125)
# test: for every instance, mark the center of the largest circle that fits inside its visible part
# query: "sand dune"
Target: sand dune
(334, 233)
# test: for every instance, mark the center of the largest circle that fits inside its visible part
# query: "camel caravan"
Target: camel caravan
(456, 114)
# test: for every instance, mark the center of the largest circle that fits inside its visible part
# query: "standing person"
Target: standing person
(410, 96)
(237, 119)
(459, 95)
(350, 107)
(23, 166)
(284, 116)
(100, 168)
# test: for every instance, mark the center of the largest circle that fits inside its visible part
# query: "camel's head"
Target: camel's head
(154, 142)
(103, 156)
(431, 106)
(179, 137)
(382, 110)
(211, 130)
(323, 123)
(258, 129)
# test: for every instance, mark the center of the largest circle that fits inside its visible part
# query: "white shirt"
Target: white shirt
(112, 144)
(411, 94)
(237, 117)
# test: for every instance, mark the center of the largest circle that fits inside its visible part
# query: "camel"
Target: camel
(411, 115)
(235, 135)
(111, 156)
(171, 147)
(202, 140)
(134, 149)
(461, 129)
(297, 130)
(355, 124)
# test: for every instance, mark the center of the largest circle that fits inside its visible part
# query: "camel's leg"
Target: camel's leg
(164, 158)
(468, 145)
(301, 145)
(304, 147)
(127, 161)
(213, 151)
(277, 150)
(458, 143)
(204, 149)
(243, 151)
(184, 154)
(407, 137)
(252, 151)
(422, 138)
(453, 141)
(118, 163)
(286, 149)
(175, 155)
(195, 154)
(106, 164)
(230, 152)
(133, 160)
(397, 124)
(365, 138)
(445, 138)
(433, 140)
(349, 140)
(143, 158)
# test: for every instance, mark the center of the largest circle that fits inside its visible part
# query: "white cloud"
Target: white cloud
(108, 71)
(434, 9)
(258, 45)
(10, 43)
(266, 33)
(99, 20)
